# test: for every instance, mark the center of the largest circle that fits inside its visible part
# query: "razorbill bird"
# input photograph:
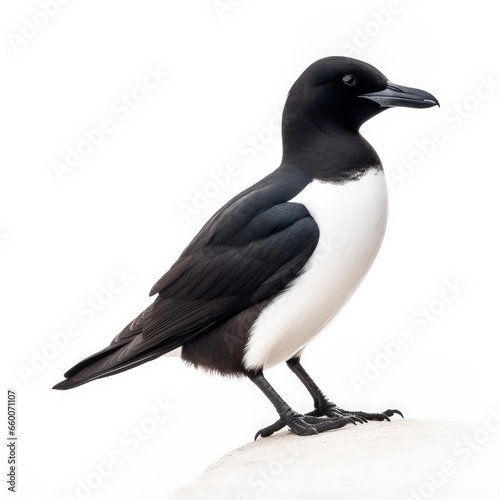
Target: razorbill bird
(251, 290)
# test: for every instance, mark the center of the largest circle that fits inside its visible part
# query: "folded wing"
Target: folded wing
(245, 254)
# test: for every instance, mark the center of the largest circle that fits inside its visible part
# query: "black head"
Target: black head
(347, 92)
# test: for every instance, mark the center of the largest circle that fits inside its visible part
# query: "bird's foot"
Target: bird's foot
(326, 417)
(331, 409)
(308, 424)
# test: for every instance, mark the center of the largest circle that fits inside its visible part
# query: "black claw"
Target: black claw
(270, 429)
(263, 433)
(390, 413)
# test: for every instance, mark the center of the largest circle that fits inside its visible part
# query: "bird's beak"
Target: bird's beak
(397, 95)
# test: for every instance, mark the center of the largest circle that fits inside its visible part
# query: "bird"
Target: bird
(252, 290)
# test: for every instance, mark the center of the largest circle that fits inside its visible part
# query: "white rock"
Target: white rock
(402, 459)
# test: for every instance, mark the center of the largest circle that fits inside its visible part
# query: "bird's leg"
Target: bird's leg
(303, 425)
(323, 406)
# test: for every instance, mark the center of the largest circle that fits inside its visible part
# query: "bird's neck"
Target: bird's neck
(331, 153)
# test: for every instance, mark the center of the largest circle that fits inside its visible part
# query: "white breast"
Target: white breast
(351, 218)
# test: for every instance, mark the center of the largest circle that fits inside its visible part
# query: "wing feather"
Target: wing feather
(237, 260)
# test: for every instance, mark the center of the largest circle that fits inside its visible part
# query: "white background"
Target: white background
(120, 208)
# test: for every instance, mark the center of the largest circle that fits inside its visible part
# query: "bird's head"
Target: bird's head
(347, 92)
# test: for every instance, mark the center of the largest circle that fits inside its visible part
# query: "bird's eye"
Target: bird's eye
(349, 80)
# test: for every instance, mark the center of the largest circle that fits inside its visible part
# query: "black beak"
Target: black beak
(397, 95)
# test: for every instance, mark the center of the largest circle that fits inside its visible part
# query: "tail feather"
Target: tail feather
(163, 327)
(71, 375)
(101, 364)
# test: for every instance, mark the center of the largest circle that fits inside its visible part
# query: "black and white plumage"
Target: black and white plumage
(259, 252)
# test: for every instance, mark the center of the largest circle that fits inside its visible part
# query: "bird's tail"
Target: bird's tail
(103, 364)
(147, 337)
(124, 352)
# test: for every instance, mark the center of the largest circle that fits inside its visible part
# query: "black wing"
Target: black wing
(249, 251)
